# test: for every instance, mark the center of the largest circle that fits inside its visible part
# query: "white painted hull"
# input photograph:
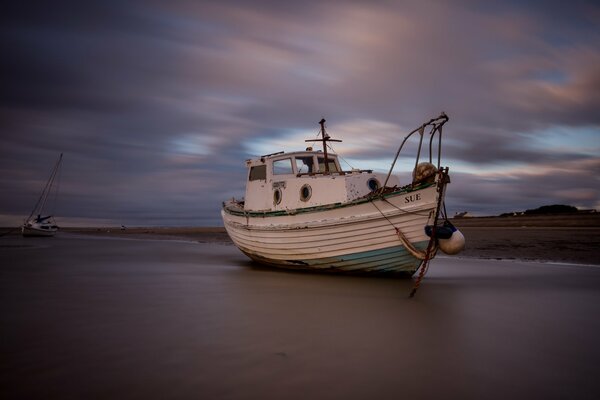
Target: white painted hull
(37, 230)
(355, 237)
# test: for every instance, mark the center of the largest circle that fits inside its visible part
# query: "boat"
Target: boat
(37, 224)
(301, 210)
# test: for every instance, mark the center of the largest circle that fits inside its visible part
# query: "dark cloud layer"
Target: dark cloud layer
(157, 104)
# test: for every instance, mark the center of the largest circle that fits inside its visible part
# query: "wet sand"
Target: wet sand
(566, 238)
(92, 317)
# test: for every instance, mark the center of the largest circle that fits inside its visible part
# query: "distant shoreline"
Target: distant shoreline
(548, 220)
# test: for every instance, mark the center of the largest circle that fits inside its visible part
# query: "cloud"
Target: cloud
(156, 105)
(527, 187)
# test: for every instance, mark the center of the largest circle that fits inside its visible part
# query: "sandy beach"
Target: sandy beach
(102, 316)
(548, 238)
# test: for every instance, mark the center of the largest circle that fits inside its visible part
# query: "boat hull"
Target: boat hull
(34, 231)
(359, 237)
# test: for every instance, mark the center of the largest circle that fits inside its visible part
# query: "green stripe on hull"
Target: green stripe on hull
(389, 260)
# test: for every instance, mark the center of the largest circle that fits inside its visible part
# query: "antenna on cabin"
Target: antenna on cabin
(324, 138)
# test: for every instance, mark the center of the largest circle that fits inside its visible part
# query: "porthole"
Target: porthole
(277, 196)
(373, 184)
(305, 192)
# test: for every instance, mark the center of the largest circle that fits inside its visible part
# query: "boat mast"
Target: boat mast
(324, 138)
(47, 189)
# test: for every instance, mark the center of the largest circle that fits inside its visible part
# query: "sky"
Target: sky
(156, 104)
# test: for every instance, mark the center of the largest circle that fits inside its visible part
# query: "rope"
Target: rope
(423, 213)
(47, 188)
(424, 265)
(421, 255)
(340, 157)
(57, 176)
(418, 254)
(384, 216)
(317, 138)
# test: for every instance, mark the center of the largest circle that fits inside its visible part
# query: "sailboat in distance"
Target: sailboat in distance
(37, 224)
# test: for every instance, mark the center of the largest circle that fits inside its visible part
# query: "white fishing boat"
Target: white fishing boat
(37, 224)
(302, 211)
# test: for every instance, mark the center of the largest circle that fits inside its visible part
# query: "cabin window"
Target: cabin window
(305, 192)
(258, 173)
(305, 165)
(277, 196)
(373, 184)
(282, 167)
(332, 165)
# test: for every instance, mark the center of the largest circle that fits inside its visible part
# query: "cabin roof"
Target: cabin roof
(283, 154)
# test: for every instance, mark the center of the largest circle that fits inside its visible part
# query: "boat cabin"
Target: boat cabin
(302, 179)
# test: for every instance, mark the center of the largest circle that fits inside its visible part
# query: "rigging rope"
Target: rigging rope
(57, 187)
(405, 211)
(340, 157)
(419, 254)
(316, 139)
(39, 206)
(425, 264)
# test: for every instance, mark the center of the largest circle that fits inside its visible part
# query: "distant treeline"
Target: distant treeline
(552, 209)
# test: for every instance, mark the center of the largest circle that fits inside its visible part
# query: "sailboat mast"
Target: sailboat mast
(47, 188)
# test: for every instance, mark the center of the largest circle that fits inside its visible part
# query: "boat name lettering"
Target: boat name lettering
(412, 197)
(280, 184)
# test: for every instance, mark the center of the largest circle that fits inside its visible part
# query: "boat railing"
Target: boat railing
(354, 171)
(435, 125)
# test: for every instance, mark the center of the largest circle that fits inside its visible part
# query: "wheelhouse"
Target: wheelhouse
(287, 181)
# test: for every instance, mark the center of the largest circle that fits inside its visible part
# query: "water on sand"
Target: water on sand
(83, 317)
